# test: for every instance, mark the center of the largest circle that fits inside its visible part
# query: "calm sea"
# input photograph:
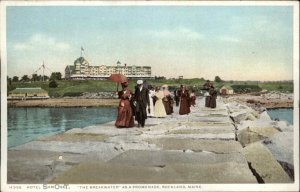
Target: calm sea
(282, 114)
(27, 124)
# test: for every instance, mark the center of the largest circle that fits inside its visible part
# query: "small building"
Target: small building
(28, 93)
(226, 90)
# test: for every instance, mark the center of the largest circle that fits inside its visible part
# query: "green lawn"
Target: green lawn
(278, 86)
(77, 87)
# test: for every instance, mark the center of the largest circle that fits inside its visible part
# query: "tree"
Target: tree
(218, 79)
(41, 77)
(58, 75)
(34, 77)
(53, 84)
(9, 80)
(25, 78)
(15, 79)
(160, 77)
(55, 76)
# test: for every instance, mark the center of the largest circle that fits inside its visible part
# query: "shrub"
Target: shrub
(53, 84)
(72, 94)
(246, 88)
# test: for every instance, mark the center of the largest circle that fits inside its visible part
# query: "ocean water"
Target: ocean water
(27, 124)
(282, 114)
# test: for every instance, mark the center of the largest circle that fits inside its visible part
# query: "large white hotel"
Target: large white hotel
(82, 70)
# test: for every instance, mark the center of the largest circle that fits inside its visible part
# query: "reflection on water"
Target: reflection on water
(26, 124)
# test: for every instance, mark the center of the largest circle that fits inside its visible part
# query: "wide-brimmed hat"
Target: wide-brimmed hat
(139, 82)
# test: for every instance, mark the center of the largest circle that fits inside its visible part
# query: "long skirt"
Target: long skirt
(168, 106)
(193, 100)
(207, 101)
(125, 115)
(159, 109)
(212, 102)
(177, 100)
(184, 107)
(150, 109)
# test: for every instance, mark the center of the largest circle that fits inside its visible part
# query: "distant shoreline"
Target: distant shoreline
(268, 103)
(64, 102)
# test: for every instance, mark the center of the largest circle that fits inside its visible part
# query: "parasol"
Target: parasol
(118, 78)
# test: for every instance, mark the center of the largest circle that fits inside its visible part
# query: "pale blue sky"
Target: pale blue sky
(234, 42)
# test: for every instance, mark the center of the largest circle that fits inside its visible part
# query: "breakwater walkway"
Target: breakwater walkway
(202, 147)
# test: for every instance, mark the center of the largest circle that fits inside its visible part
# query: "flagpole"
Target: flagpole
(81, 51)
(43, 69)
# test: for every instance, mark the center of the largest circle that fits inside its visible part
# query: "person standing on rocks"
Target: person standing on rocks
(125, 113)
(150, 109)
(193, 98)
(159, 108)
(207, 87)
(213, 97)
(184, 107)
(167, 100)
(177, 95)
(142, 101)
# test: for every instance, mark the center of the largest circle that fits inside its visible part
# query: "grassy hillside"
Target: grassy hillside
(276, 86)
(77, 87)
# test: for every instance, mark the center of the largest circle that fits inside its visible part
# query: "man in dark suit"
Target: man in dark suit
(177, 94)
(142, 101)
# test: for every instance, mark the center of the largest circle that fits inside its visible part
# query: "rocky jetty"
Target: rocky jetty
(261, 101)
(259, 134)
(229, 144)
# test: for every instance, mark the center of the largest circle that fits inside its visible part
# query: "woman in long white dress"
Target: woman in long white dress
(159, 108)
(150, 108)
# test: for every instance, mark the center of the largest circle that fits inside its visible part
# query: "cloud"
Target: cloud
(41, 42)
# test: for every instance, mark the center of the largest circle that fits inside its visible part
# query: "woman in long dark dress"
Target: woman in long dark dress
(167, 100)
(193, 98)
(213, 96)
(207, 87)
(184, 107)
(125, 114)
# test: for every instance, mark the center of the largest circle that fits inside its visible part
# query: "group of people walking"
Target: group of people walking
(148, 101)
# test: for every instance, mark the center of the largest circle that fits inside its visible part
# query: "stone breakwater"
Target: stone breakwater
(229, 144)
(262, 101)
(257, 132)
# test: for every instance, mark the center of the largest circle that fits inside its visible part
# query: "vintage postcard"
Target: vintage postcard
(149, 96)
